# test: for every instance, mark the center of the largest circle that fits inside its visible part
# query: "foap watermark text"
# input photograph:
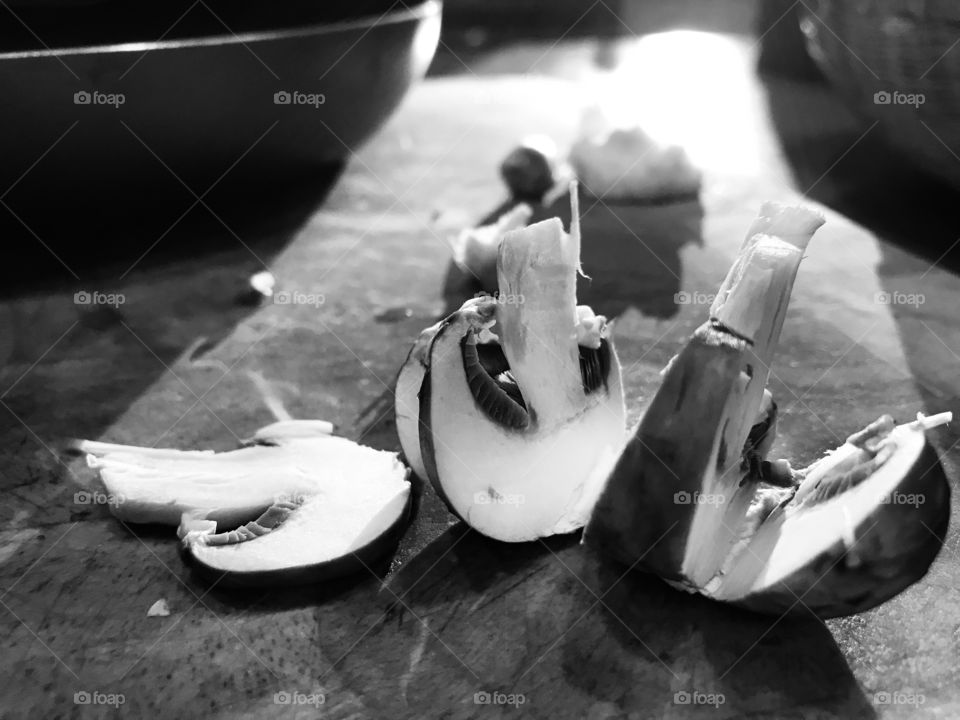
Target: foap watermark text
(696, 497)
(298, 698)
(95, 97)
(900, 298)
(296, 297)
(492, 497)
(95, 297)
(496, 697)
(295, 97)
(896, 97)
(694, 298)
(695, 697)
(899, 697)
(95, 497)
(95, 697)
(899, 498)
(503, 298)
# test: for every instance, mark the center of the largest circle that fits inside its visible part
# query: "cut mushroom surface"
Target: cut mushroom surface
(519, 407)
(298, 504)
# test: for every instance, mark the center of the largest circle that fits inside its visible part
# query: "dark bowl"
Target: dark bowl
(91, 97)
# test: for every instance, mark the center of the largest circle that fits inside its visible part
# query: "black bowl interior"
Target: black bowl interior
(31, 27)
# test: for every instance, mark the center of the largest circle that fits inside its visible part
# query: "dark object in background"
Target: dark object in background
(621, 271)
(895, 63)
(783, 48)
(528, 173)
(73, 23)
(239, 87)
(833, 138)
(515, 19)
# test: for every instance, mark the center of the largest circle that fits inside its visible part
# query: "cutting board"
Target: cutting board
(456, 625)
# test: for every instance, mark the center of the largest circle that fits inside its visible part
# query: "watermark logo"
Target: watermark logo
(697, 498)
(895, 97)
(86, 697)
(494, 498)
(290, 498)
(295, 297)
(95, 97)
(95, 497)
(899, 498)
(694, 298)
(84, 297)
(900, 298)
(682, 697)
(298, 698)
(503, 298)
(899, 698)
(499, 698)
(295, 97)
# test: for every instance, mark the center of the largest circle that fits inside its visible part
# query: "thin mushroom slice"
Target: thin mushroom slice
(296, 504)
(337, 531)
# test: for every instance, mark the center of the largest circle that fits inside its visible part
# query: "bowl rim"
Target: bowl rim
(424, 9)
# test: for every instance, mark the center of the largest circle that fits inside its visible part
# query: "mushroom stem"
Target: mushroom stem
(537, 317)
(928, 422)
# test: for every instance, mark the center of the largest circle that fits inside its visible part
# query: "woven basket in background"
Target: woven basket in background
(898, 62)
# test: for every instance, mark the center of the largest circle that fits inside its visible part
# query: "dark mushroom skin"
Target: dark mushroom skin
(636, 519)
(528, 174)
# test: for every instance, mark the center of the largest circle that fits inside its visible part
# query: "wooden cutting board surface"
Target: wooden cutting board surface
(455, 614)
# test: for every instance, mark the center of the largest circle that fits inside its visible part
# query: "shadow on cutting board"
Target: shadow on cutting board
(102, 234)
(574, 635)
(630, 254)
(70, 368)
